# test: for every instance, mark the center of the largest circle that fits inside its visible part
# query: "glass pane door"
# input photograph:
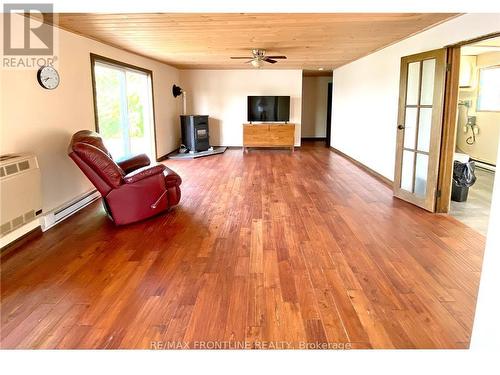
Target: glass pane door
(419, 127)
(124, 110)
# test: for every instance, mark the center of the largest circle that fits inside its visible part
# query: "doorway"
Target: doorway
(123, 104)
(316, 107)
(477, 133)
(329, 114)
(461, 130)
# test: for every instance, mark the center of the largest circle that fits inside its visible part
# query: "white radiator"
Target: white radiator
(20, 191)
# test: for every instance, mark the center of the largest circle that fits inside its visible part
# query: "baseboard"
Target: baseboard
(229, 147)
(313, 138)
(61, 213)
(360, 165)
(165, 156)
(484, 165)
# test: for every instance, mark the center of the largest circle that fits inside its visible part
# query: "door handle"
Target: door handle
(401, 127)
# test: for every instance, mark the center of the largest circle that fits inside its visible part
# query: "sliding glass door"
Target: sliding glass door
(124, 109)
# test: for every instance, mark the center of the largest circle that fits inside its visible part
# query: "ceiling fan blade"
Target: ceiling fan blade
(267, 59)
(249, 61)
(277, 57)
(241, 57)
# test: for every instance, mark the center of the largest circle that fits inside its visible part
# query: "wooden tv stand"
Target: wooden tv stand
(268, 135)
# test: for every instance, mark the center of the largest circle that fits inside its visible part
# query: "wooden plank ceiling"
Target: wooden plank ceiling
(206, 41)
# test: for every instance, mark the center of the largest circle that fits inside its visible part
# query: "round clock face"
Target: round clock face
(48, 77)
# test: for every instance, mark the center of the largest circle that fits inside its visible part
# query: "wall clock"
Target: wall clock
(48, 77)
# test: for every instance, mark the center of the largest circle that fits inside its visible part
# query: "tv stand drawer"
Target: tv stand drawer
(268, 135)
(282, 135)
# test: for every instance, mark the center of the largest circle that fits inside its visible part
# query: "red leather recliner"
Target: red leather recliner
(131, 189)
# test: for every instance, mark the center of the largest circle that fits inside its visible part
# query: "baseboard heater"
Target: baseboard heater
(65, 211)
(484, 165)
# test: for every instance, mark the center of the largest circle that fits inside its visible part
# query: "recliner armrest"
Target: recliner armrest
(171, 178)
(142, 173)
(134, 162)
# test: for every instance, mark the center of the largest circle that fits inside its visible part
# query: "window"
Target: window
(488, 98)
(124, 110)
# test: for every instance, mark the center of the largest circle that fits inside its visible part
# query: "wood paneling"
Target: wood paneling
(206, 41)
(303, 248)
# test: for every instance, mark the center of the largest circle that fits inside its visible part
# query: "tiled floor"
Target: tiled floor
(475, 211)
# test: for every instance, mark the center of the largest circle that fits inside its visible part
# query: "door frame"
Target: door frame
(449, 131)
(94, 58)
(428, 201)
(329, 114)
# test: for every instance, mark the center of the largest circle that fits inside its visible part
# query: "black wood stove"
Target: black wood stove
(194, 130)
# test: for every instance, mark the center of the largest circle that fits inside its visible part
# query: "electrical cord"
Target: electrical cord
(467, 104)
(472, 139)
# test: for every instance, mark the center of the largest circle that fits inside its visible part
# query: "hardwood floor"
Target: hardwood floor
(266, 249)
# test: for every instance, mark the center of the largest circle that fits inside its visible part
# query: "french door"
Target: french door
(124, 113)
(420, 115)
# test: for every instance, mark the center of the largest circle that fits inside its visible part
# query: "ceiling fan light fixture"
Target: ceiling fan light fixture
(259, 58)
(257, 63)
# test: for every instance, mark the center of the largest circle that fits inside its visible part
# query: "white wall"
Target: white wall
(222, 94)
(486, 329)
(42, 121)
(488, 123)
(366, 92)
(314, 106)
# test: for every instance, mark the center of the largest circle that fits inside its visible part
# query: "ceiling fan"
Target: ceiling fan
(259, 58)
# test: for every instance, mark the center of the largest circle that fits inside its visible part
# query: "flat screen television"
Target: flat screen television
(269, 108)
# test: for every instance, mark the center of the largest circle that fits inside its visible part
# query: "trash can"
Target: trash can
(459, 193)
(463, 178)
